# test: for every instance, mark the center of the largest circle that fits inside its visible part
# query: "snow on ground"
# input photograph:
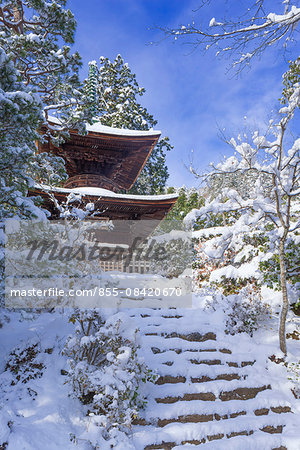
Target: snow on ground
(40, 413)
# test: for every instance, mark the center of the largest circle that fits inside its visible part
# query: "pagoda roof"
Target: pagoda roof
(99, 192)
(112, 204)
(97, 127)
(106, 157)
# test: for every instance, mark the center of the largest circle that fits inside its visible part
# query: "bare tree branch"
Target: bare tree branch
(245, 37)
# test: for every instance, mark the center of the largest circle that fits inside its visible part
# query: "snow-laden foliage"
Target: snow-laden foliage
(244, 312)
(117, 95)
(37, 34)
(245, 31)
(72, 208)
(290, 78)
(293, 369)
(106, 372)
(188, 199)
(171, 253)
(247, 233)
(47, 169)
(20, 113)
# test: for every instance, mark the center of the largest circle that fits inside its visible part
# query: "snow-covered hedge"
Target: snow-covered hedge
(244, 312)
(105, 370)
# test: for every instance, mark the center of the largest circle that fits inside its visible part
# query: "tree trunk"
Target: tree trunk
(285, 302)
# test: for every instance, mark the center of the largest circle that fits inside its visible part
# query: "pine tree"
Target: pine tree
(118, 97)
(31, 33)
(188, 199)
(20, 114)
(118, 106)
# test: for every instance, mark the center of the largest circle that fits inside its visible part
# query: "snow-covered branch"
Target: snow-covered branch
(252, 207)
(246, 36)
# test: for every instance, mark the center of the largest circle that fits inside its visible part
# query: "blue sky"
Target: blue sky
(191, 94)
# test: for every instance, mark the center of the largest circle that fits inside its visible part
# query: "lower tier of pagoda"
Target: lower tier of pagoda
(108, 204)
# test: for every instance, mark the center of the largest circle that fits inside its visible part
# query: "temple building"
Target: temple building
(102, 165)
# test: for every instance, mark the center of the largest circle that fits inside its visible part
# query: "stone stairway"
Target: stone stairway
(208, 393)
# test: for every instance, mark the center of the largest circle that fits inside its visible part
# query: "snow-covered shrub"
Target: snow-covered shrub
(105, 371)
(204, 266)
(296, 308)
(244, 312)
(294, 375)
(270, 267)
(23, 363)
(176, 256)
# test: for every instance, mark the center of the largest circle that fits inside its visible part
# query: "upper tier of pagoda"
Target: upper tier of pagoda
(108, 158)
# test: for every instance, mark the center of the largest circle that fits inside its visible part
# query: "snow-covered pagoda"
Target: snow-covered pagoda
(104, 162)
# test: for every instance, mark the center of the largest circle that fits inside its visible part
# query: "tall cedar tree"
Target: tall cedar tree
(117, 105)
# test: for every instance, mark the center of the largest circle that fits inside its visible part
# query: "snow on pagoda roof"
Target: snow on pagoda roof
(99, 192)
(99, 128)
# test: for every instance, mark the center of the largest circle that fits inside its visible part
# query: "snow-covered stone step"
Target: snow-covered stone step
(207, 348)
(197, 370)
(163, 320)
(179, 433)
(186, 336)
(170, 379)
(178, 344)
(241, 393)
(206, 417)
(169, 325)
(206, 390)
(190, 354)
(166, 313)
(262, 404)
(205, 357)
(159, 312)
(180, 388)
(256, 441)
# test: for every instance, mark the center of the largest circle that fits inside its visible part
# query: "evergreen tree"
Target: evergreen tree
(91, 87)
(118, 106)
(20, 114)
(31, 34)
(188, 199)
(258, 238)
(118, 97)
